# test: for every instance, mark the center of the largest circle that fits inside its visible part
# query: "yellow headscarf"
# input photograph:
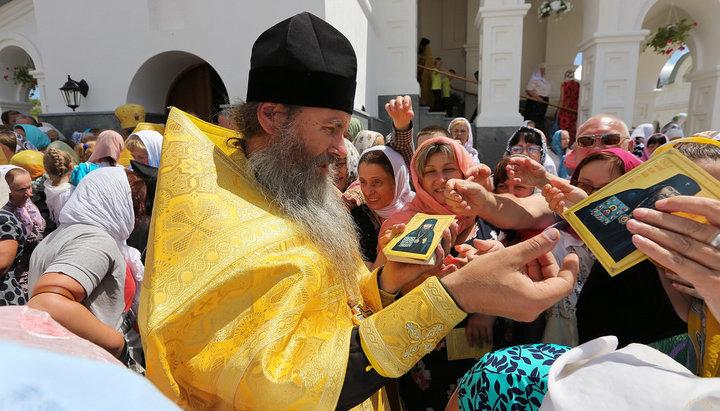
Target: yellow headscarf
(30, 160)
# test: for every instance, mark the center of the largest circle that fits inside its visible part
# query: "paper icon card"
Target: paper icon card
(417, 243)
(600, 219)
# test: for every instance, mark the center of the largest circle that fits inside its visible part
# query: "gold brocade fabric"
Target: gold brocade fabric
(237, 309)
(398, 336)
(704, 330)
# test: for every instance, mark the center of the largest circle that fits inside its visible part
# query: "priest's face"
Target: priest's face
(322, 131)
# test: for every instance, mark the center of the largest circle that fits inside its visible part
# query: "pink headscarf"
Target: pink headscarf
(109, 144)
(628, 159)
(423, 201)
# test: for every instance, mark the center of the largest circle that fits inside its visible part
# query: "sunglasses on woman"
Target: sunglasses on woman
(609, 139)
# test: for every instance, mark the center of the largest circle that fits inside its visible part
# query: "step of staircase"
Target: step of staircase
(424, 117)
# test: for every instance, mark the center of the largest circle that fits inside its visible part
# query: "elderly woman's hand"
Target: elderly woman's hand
(684, 246)
(524, 170)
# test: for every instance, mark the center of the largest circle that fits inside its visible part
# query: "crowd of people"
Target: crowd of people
(260, 280)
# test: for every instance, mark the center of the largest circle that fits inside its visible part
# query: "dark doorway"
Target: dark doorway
(199, 91)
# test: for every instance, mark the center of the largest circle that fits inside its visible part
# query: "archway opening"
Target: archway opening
(177, 78)
(18, 89)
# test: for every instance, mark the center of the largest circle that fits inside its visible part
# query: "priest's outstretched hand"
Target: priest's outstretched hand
(518, 282)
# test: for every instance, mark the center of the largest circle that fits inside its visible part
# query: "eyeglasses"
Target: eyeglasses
(609, 139)
(529, 149)
(587, 188)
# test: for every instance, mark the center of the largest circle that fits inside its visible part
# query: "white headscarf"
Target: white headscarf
(153, 144)
(537, 79)
(5, 168)
(643, 130)
(469, 143)
(403, 193)
(103, 199)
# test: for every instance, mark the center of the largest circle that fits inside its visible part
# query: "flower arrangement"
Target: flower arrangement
(671, 37)
(21, 76)
(548, 7)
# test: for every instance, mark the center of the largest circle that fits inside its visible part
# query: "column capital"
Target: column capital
(614, 38)
(515, 10)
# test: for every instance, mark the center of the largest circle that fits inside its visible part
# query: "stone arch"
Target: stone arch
(16, 50)
(158, 75)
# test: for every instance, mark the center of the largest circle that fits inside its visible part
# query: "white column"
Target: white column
(704, 107)
(609, 74)
(501, 25)
(40, 77)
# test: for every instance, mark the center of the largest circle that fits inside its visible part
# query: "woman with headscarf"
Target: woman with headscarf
(22, 207)
(107, 151)
(34, 135)
(145, 147)
(642, 133)
(385, 183)
(651, 143)
(12, 242)
(558, 148)
(366, 139)
(461, 131)
(32, 161)
(530, 142)
(89, 247)
(429, 383)
(539, 89)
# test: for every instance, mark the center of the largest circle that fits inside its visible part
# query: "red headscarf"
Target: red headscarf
(423, 201)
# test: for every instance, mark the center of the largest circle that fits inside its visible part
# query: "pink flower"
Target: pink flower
(695, 23)
(682, 48)
(5, 77)
(667, 42)
(15, 68)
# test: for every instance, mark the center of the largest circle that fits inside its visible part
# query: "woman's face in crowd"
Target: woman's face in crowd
(341, 173)
(565, 139)
(376, 184)
(140, 155)
(438, 169)
(651, 147)
(460, 133)
(516, 189)
(20, 189)
(529, 149)
(596, 175)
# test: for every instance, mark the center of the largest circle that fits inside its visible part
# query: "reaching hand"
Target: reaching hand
(479, 328)
(560, 195)
(518, 282)
(524, 170)
(465, 197)
(401, 111)
(481, 174)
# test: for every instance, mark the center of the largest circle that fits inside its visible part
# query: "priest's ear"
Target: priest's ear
(272, 117)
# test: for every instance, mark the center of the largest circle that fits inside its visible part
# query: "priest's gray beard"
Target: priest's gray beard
(294, 183)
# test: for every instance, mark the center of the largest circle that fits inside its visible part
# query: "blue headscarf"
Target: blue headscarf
(556, 146)
(35, 136)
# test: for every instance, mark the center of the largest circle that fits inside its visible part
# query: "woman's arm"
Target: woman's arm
(8, 251)
(73, 315)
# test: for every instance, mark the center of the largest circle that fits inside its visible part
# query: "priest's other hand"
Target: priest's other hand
(396, 275)
(518, 282)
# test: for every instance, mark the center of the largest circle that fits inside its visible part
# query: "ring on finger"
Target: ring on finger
(715, 241)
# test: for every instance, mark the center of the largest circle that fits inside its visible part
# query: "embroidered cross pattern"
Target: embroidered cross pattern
(421, 338)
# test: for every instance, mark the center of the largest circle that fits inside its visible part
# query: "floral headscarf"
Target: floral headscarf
(35, 136)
